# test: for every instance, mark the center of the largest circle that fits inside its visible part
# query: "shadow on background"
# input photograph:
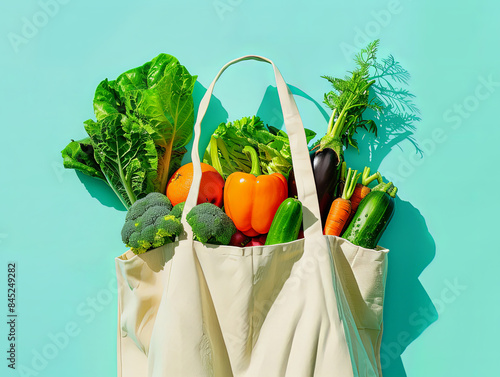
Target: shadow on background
(270, 108)
(396, 123)
(215, 115)
(98, 189)
(408, 309)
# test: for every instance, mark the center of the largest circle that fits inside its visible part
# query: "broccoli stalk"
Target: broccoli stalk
(151, 222)
(210, 224)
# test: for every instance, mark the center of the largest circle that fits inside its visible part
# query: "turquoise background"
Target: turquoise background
(441, 310)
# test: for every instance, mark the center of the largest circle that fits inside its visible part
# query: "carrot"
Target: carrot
(362, 189)
(341, 207)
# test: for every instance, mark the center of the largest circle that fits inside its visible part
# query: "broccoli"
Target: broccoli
(151, 222)
(210, 224)
(177, 210)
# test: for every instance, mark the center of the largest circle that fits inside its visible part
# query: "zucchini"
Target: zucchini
(372, 217)
(286, 222)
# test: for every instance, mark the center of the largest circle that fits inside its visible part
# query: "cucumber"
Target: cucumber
(372, 217)
(286, 222)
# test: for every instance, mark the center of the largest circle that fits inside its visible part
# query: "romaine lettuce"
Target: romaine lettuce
(144, 119)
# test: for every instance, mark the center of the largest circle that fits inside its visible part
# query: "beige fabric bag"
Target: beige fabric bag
(311, 307)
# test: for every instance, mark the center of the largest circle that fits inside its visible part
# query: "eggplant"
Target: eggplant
(326, 167)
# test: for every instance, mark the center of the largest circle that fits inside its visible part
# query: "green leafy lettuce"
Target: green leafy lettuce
(144, 119)
(225, 149)
(79, 155)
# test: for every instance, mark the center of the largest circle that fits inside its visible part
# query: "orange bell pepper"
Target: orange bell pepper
(251, 200)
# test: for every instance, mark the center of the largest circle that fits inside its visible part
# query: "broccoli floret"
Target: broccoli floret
(152, 214)
(177, 210)
(154, 199)
(210, 224)
(169, 224)
(128, 230)
(150, 223)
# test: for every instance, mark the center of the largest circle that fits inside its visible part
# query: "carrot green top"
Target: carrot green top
(366, 178)
(350, 183)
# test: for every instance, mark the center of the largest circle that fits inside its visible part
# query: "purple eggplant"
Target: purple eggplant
(326, 167)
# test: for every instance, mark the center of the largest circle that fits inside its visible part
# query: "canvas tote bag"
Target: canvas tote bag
(311, 307)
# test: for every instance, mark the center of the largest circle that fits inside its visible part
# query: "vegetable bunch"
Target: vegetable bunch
(243, 209)
(361, 214)
(144, 119)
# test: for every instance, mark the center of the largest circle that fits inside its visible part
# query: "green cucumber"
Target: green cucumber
(372, 217)
(286, 222)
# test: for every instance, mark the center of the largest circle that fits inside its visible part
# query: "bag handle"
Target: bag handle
(304, 177)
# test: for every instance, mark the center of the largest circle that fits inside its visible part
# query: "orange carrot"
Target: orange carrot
(341, 207)
(337, 217)
(362, 189)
